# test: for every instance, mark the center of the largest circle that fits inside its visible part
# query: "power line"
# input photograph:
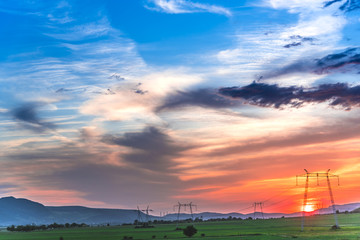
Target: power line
(240, 210)
(279, 194)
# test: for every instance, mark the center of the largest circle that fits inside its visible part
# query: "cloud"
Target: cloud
(137, 99)
(345, 61)
(151, 149)
(295, 5)
(294, 44)
(340, 130)
(272, 95)
(206, 98)
(185, 6)
(338, 60)
(299, 40)
(27, 116)
(87, 172)
(85, 31)
(346, 6)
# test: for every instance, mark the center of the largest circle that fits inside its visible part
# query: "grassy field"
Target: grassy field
(316, 227)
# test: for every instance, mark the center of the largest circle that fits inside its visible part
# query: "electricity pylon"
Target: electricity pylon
(146, 211)
(261, 209)
(326, 175)
(139, 217)
(184, 205)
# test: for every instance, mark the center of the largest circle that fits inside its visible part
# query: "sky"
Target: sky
(126, 103)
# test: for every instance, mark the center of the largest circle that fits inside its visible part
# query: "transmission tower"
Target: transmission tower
(260, 204)
(139, 217)
(146, 211)
(184, 205)
(326, 175)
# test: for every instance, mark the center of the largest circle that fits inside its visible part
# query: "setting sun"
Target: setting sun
(309, 208)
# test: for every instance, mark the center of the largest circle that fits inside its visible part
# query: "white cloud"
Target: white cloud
(295, 5)
(128, 105)
(265, 48)
(185, 6)
(84, 31)
(324, 26)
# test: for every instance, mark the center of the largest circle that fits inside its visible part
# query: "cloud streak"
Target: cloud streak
(272, 95)
(185, 6)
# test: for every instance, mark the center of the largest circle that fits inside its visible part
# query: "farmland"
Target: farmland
(316, 227)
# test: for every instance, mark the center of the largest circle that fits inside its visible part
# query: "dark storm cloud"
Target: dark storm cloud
(347, 6)
(27, 116)
(330, 63)
(272, 95)
(152, 149)
(206, 98)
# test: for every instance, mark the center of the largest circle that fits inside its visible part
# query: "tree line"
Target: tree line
(29, 228)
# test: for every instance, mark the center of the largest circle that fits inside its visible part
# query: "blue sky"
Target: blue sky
(176, 100)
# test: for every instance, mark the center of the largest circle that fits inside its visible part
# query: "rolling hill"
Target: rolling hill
(18, 211)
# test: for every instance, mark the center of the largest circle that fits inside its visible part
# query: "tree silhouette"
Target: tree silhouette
(190, 231)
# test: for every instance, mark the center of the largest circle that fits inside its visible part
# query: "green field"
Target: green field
(316, 227)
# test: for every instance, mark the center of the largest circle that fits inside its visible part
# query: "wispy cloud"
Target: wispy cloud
(185, 6)
(83, 31)
(314, 34)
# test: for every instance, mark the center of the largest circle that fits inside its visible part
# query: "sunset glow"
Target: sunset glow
(153, 102)
(309, 208)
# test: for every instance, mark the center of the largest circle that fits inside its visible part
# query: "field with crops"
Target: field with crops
(316, 227)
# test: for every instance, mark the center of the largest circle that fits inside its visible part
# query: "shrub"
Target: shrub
(335, 227)
(190, 231)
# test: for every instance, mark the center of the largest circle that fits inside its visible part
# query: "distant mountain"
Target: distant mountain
(22, 211)
(356, 210)
(94, 216)
(342, 208)
(17, 211)
(210, 215)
